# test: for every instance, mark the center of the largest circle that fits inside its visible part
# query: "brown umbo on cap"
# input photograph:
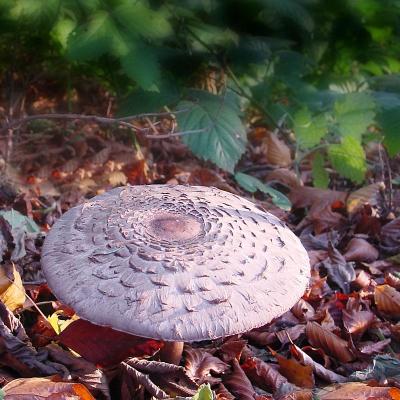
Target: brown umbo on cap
(177, 263)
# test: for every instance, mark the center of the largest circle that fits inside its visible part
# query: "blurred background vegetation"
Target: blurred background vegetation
(324, 75)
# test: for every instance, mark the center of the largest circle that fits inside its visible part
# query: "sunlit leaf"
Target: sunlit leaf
(12, 293)
(309, 130)
(223, 140)
(319, 173)
(354, 113)
(348, 158)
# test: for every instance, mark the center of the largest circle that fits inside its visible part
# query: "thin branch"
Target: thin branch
(101, 120)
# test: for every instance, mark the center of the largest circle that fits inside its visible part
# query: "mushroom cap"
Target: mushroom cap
(177, 263)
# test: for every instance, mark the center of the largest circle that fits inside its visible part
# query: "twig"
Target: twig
(102, 120)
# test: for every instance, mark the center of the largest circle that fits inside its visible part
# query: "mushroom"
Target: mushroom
(174, 263)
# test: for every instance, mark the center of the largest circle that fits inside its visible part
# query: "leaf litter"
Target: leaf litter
(340, 341)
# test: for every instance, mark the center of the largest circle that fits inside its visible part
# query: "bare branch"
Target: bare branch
(104, 120)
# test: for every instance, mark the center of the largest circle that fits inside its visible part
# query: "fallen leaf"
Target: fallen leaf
(264, 375)
(303, 310)
(318, 369)
(117, 178)
(390, 237)
(383, 367)
(339, 270)
(238, 383)
(276, 151)
(358, 391)
(231, 349)
(373, 348)
(360, 250)
(357, 321)
(328, 341)
(393, 279)
(12, 293)
(45, 388)
(200, 364)
(370, 194)
(285, 176)
(296, 373)
(387, 300)
(105, 346)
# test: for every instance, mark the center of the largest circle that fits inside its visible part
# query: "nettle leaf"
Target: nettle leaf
(141, 65)
(224, 138)
(308, 130)
(139, 19)
(354, 112)
(389, 121)
(348, 158)
(319, 173)
(252, 184)
(92, 39)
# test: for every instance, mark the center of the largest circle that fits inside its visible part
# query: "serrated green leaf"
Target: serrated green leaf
(92, 39)
(308, 130)
(354, 112)
(138, 19)
(252, 184)
(348, 158)
(389, 121)
(319, 173)
(224, 138)
(141, 65)
(35, 11)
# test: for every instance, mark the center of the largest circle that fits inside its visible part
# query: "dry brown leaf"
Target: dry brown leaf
(318, 369)
(238, 383)
(296, 373)
(264, 375)
(117, 178)
(373, 348)
(362, 280)
(292, 333)
(357, 322)
(199, 364)
(360, 250)
(387, 300)
(12, 294)
(45, 388)
(231, 349)
(392, 280)
(207, 177)
(102, 156)
(223, 393)
(70, 166)
(285, 176)
(276, 151)
(328, 341)
(358, 391)
(370, 194)
(390, 237)
(303, 310)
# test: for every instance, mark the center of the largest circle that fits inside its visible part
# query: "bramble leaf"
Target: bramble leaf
(348, 158)
(389, 120)
(224, 139)
(308, 130)
(354, 112)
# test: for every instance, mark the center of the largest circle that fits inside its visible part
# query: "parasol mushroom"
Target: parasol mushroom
(175, 263)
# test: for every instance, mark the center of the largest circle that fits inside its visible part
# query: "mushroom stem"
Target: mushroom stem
(171, 352)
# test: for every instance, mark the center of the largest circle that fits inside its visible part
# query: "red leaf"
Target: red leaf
(105, 346)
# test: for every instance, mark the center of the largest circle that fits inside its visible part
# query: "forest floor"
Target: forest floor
(340, 341)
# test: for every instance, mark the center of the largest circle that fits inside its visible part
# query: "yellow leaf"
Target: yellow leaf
(12, 294)
(60, 324)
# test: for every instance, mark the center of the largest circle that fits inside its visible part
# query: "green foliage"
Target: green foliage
(204, 393)
(348, 158)
(329, 69)
(223, 140)
(319, 173)
(252, 184)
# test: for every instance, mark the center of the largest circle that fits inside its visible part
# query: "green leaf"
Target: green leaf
(354, 112)
(348, 158)
(383, 367)
(204, 393)
(20, 221)
(35, 11)
(138, 19)
(308, 130)
(92, 39)
(252, 184)
(141, 65)
(389, 121)
(319, 173)
(223, 140)
(62, 29)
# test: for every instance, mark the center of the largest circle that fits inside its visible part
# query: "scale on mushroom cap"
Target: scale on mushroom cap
(176, 263)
